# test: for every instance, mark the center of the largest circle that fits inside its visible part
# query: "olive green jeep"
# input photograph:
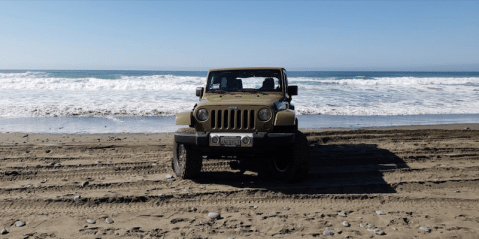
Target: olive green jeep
(245, 115)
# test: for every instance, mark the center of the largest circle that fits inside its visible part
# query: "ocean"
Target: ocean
(102, 101)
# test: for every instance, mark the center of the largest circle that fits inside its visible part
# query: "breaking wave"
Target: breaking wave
(42, 94)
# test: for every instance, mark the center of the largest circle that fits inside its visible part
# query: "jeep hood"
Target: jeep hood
(240, 99)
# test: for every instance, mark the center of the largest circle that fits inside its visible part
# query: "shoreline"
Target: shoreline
(458, 126)
(165, 124)
(29, 139)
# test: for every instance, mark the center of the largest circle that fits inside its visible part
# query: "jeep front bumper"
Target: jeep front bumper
(259, 139)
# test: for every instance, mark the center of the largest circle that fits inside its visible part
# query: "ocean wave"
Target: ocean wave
(28, 74)
(42, 80)
(39, 94)
(110, 111)
(402, 81)
(107, 110)
(382, 111)
(149, 83)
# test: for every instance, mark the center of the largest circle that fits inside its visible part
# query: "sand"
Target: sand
(424, 176)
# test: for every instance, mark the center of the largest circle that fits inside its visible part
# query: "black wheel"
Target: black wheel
(186, 162)
(293, 165)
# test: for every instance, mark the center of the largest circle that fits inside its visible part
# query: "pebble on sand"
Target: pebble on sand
(19, 223)
(4, 231)
(424, 228)
(213, 215)
(341, 214)
(363, 224)
(379, 232)
(77, 199)
(379, 212)
(346, 224)
(91, 221)
(286, 208)
(109, 220)
(328, 232)
(168, 176)
(83, 184)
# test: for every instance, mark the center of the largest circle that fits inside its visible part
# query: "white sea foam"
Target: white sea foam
(19, 81)
(391, 81)
(28, 74)
(38, 94)
(388, 96)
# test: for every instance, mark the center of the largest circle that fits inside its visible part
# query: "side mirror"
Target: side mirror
(293, 90)
(199, 91)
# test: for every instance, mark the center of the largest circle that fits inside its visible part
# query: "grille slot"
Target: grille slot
(238, 118)
(233, 119)
(219, 119)
(225, 119)
(251, 119)
(213, 119)
(245, 119)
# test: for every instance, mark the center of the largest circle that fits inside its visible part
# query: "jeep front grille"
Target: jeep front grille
(233, 119)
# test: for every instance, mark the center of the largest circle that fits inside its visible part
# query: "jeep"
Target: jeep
(244, 115)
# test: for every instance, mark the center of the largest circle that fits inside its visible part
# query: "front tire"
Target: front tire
(186, 162)
(293, 165)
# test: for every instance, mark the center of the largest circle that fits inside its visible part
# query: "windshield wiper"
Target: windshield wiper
(253, 91)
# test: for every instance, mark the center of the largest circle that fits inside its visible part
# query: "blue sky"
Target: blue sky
(198, 35)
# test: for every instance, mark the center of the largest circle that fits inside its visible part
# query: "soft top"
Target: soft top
(248, 68)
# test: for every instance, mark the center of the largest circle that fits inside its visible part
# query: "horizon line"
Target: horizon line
(53, 69)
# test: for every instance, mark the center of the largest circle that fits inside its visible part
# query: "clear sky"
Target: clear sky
(198, 35)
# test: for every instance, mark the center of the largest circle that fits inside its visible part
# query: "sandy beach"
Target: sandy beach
(396, 182)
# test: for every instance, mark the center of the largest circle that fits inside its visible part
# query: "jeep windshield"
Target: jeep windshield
(254, 81)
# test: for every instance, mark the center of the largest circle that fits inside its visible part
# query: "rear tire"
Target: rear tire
(186, 162)
(293, 165)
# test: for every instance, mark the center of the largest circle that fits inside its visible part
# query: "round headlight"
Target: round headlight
(264, 114)
(202, 114)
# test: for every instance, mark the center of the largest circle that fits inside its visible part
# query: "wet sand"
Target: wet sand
(418, 176)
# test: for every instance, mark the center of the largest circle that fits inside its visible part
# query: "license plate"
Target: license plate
(230, 141)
